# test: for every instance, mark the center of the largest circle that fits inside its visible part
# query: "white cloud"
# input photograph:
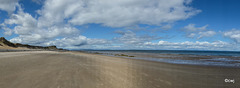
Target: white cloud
(30, 32)
(206, 34)
(55, 25)
(136, 28)
(24, 21)
(8, 5)
(233, 34)
(77, 42)
(43, 35)
(129, 37)
(38, 1)
(198, 32)
(73, 41)
(98, 41)
(120, 13)
(191, 35)
(39, 31)
(7, 31)
(193, 28)
(166, 27)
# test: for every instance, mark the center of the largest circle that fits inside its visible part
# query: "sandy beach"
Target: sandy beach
(51, 69)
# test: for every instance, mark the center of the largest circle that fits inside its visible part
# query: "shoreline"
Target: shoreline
(198, 60)
(71, 69)
(126, 58)
(121, 57)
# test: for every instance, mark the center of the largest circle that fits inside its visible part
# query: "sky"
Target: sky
(123, 24)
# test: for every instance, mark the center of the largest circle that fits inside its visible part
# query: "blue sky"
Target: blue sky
(123, 24)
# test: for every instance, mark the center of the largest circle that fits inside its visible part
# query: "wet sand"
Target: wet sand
(50, 69)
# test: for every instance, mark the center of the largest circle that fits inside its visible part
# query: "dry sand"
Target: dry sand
(49, 69)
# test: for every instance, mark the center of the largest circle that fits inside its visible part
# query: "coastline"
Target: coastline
(184, 59)
(47, 69)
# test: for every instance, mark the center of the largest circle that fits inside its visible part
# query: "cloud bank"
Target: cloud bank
(216, 45)
(57, 20)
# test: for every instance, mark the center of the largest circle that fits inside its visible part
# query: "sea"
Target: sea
(188, 57)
